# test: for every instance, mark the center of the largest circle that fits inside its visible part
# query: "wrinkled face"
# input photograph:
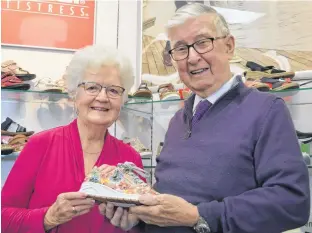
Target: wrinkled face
(202, 73)
(99, 109)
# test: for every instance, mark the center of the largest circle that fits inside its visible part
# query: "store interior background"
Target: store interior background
(267, 32)
(117, 25)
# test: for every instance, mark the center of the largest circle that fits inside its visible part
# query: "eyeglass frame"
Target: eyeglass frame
(192, 46)
(84, 83)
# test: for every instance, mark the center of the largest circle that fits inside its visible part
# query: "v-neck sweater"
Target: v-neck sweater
(52, 163)
(241, 165)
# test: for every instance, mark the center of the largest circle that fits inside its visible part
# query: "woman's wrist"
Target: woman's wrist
(48, 223)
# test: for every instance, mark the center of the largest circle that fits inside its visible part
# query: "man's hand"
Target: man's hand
(119, 218)
(166, 210)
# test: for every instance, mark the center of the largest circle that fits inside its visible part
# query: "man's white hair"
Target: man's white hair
(194, 10)
(97, 56)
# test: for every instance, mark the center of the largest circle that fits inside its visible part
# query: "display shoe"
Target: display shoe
(264, 87)
(143, 92)
(167, 92)
(49, 85)
(12, 67)
(11, 128)
(6, 149)
(137, 145)
(18, 142)
(304, 137)
(10, 81)
(122, 186)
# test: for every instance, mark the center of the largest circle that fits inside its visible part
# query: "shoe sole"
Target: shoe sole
(102, 193)
(171, 96)
(7, 133)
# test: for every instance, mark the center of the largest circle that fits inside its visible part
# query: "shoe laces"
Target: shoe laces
(128, 168)
(133, 171)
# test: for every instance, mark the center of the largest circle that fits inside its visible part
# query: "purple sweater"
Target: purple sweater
(241, 165)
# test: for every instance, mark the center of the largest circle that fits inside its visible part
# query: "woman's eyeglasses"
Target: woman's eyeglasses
(92, 88)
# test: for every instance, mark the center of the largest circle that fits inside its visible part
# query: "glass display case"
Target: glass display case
(144, 120)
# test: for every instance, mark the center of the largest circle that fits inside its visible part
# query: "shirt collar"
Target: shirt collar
(215, 96)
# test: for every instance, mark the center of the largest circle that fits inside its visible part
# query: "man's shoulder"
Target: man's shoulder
(259, 98)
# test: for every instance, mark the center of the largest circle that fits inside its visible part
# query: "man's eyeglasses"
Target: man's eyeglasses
(93, 88)
(201, 46)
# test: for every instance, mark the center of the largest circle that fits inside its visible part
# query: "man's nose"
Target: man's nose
(194, 56)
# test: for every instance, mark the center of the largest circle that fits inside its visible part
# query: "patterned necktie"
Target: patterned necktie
(201, 108)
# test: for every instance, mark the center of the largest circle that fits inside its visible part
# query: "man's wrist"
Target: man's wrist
(140, 227)
(194, 216)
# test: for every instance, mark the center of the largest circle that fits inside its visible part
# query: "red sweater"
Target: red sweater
(50, 164)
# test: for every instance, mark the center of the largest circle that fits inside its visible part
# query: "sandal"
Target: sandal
(10, 81)
(279, 85)
(304, 138)
(11, 128)
(258, 85)
(303, 135)
(6, 149)
(257, 71)
(137, 145)
(18, 142)
(48, 85)
(256, 75)
(167, 92)
(185, 93)
(12, 67)
(143, 91)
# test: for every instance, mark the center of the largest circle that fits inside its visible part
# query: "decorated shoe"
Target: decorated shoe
(122, 186)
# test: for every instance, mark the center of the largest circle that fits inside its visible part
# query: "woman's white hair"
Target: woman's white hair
(194, 10)
(97, 56)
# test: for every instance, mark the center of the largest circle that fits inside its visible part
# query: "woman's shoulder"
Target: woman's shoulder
(48, 134)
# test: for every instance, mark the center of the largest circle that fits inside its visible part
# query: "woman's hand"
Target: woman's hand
(66, 207)
(104, 169)
(120, 218)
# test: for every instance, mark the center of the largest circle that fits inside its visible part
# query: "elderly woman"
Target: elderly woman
(40, 193)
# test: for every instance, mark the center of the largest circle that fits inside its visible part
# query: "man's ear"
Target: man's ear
(230, 45)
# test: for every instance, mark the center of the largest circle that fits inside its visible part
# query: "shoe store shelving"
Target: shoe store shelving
(148, 119)
(139, 105)
(11, 95)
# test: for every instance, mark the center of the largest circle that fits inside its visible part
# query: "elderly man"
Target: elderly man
(231, 160)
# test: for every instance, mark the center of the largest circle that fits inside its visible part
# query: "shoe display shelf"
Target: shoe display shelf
(148, 120)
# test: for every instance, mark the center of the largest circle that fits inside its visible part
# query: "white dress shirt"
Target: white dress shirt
(215, 96)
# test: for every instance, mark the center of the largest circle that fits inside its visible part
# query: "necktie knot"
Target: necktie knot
(201, 108)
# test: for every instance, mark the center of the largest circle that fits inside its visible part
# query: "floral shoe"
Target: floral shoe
(122, 186)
